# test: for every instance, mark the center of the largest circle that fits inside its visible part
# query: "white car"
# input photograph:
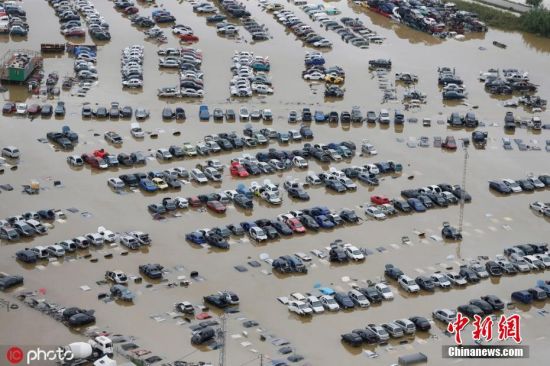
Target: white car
(108, 235)
(513, 185)
(384, 291)
(440, 280)
(116, 276)
(11, 152)
(56, 250)
(95, 239)
(544, 258)
(272, 197)
(137, 131)
(129, 241)
(21, 108)
(315, 304)
(538, 206)
(198, 176)
(299, 307)
(372, 169)
(353, 252)
(408, 284)
(163, 154)
(132, 83)
(384, 116)
(68, 245)
(75, 160)
(358, 298)
(303, 256)
(375, 212)
(299, 162)
(444, 315)
(456, 279)
(181, 202)
(257, 233)
(182, 172)
(329, 303)
(536, 182)
(115, 183)
(313, 179)
(315, 75)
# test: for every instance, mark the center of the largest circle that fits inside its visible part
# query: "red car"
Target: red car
(379, 200)
(188, 38)
(130, 10)
(75, 32)
(449, 143)
(92, 160)
(34, 109)
(101, 153)
(295, 225)
(216, 206)
(237, 170)
(194, 201)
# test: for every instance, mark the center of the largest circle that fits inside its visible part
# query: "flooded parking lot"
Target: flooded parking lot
(491, 222)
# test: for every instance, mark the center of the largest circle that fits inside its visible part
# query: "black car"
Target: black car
(470, 310)
(167, 113)
(153, 271)
(129, 179)
(420, 323)
(371, 294)
(203, 335)
(180, 113)
(500, 187)
(483, 305)
(526, 185)
(392, 272)
(299, 193)
(344, 300)
(306, 115)
(469, 274)
(451, 233)
(242, 201)
(281, 227)
(125, 159)
(176, 151)
(306, 132)
(101, 112)
(26, 256)
(425, 283)
(60, 109)
(368, 335)
(7, 282)
(236, 230)
(349, 215)
(454, 120)
(402, 206)
(216, 240)
(47, 110)
(309, 222)
(353, 339)
(217, 301)
(289, 264)
(337, 254)
(81, 319)
(493, 268)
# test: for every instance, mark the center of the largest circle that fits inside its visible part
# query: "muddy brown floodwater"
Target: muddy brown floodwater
(491, 222)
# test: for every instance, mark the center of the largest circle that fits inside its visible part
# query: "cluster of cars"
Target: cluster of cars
(424, 198)
(131, 66)
(484, 306)
(69, 19)
(101, 159)
(302, 30)
(66, 139)
(451, 83)
(523, 258)
(141, 21)
(162, 16)
(85, 66)
(115, 111)
(131, 240)
(529, 184)
(27, 225)
(98, 28)
(284, 225)
(540, 292)
(250, 75)
(152, 181)
(469, 120)
(373, 333)
(234, 8)
(185, 33)
(188, 61)
(13, 19)
(363, 36)
(44, 110)
(506, 81)
(333, 76)
(127, 7)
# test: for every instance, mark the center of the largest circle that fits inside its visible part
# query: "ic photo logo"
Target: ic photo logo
(16, 355)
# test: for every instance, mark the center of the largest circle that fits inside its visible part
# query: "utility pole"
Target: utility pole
(221, 342)
(261, 359)
(462, 195)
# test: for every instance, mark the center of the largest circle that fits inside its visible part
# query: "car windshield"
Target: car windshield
(316, 303)
(385, 290)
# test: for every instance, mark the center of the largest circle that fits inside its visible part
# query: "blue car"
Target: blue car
(204, 114)
(195, 237)
(416, 204)
(246, 225)
(327, 291)
(522, 296)
(324, 222)
(244, 190)
(147, 185)
(319, 116)
(320, 210)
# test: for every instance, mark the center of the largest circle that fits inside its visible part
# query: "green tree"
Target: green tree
(534, 3)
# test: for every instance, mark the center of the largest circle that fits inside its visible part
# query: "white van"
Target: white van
(136, 131)
(41, 252)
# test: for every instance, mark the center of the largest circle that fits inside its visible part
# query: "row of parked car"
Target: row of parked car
(66, 139)
(302, 30)
(293, 222)
(114, 112)
(13, 19)
(44, 110)
(250, 75)
(442, 195)
(131, 66)
(131, 240)
(27, 225)
(529, 184)
(542, 208)
(69, 19)
(188, 61)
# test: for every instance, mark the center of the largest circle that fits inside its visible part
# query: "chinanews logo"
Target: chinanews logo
(16, 355)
